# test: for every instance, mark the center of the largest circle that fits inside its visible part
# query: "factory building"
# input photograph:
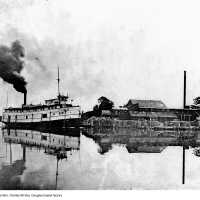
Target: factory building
(157, 110)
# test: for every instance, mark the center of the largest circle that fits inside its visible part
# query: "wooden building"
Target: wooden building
(157, 110)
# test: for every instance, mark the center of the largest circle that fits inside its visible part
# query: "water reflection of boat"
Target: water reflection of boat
(41, 139)
(71, 131)
(135, 140)
(59, 146)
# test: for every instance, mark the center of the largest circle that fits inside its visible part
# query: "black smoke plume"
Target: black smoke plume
(11, 64)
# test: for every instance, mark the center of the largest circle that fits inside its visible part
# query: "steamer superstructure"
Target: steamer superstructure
(54, 113)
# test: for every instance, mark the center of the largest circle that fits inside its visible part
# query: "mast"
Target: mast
(58, 79)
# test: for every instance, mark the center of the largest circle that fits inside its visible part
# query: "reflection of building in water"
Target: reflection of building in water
(140, 141)
(145, 149)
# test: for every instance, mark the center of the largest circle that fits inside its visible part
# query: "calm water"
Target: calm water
(98, 159)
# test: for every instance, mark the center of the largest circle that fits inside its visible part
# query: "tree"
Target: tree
(96, 110)
(105, 103)
(196, 101)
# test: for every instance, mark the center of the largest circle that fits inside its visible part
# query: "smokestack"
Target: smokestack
(25, 94)
(184, 91)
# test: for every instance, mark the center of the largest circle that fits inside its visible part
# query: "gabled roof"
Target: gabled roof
(147, 103)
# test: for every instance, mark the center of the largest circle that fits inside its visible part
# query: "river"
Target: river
(98, 159)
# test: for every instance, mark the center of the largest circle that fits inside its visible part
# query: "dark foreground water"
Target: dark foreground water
(98, 159)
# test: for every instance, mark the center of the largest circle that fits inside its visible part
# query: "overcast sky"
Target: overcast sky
(120, 49)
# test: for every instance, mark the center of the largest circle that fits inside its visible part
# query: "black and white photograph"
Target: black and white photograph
(99, 95)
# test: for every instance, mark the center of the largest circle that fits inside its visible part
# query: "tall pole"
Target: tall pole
(184, 106)
(184, 91)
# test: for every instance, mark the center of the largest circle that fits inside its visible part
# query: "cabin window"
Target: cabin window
(44, 115)
(43, 137)
(9, 118)
(26, 116)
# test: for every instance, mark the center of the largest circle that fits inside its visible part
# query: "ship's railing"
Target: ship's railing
(39, 117)
(36, 108)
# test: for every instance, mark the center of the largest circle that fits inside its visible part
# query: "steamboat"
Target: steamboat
(56, 113)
